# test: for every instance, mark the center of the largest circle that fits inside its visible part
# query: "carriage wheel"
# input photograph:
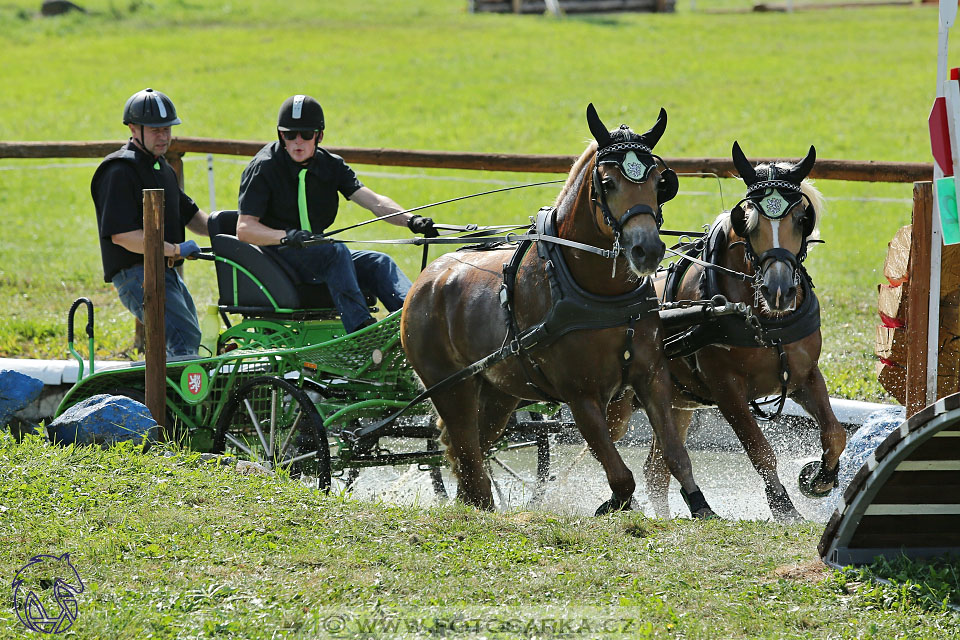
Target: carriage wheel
(272, 422)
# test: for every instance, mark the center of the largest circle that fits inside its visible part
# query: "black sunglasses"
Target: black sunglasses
(292, 135)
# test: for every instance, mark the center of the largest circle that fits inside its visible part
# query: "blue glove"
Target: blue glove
(189, 250)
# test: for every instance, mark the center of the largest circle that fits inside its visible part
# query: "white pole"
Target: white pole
(948, 13)
(213, 191)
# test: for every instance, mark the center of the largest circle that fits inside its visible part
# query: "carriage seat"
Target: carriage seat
(241, 294)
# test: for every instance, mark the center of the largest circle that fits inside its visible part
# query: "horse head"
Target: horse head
(628, 187)
(776, 219)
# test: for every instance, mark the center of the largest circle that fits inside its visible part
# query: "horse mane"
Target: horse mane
(816, 199)
(573, 183)
(621, 134)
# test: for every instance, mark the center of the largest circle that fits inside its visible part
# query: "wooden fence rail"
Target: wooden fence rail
(858, 171)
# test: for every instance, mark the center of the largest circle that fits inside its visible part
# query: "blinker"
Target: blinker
(774, 203)
(631, 166)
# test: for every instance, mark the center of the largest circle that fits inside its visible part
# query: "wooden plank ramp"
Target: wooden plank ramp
(905, 499)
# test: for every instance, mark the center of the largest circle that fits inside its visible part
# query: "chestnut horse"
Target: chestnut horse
(761, 244)
(469, 304)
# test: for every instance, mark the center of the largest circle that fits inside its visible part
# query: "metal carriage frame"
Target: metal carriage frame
(288, 387)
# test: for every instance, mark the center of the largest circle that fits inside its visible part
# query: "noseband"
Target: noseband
(664, 193)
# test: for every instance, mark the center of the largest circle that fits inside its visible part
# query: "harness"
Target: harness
(739, 331)
(572, 308)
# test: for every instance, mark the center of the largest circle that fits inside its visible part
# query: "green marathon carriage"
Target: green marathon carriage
(288, 387)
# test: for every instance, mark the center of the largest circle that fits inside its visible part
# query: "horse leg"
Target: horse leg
(459, 411)
(471, 420)
(813, 397)
(655, 394)
(655, 468)
(591, 420)
(735, 409)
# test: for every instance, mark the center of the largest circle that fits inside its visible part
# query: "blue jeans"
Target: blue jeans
(180, 315)
(347, 275)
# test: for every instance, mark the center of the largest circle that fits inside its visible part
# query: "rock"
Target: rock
(16, 392)
(248, 468)
(104, 419)
(59, 7)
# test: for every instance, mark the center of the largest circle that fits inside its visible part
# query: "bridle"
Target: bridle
(635, 170)
(774, 199)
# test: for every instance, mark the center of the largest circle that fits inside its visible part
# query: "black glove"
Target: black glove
(419, 224)
(296, 237)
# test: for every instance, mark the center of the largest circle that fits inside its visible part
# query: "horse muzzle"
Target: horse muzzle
(779, 287)
(644, 250)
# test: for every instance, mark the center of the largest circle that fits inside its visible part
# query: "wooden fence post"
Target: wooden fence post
(917, 311)
(154, 302)
(175, 160)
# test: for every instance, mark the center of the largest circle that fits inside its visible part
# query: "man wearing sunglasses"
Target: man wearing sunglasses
(290, 191)
(117, 189)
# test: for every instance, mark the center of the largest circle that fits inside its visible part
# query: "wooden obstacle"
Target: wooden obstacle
(906, 497)
(901, 335)
(572, 6)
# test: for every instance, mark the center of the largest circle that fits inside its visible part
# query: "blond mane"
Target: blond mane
(816, 199)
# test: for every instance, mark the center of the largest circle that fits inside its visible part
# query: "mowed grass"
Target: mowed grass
(174, 547)
(428, 75)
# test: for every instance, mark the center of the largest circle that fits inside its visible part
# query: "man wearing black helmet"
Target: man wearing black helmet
(117, 189)
(290, 191)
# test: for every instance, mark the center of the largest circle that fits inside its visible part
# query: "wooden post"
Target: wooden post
(917, 313)
(154, 303)
(175, 160)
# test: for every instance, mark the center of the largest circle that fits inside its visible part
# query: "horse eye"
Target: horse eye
(608, 184)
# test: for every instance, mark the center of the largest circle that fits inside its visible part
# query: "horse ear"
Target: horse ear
(597, 128)
(744, 168)
(652, 137)
(802, 170)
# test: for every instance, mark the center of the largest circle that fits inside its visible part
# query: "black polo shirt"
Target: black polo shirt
(117, 189)
(268, 188)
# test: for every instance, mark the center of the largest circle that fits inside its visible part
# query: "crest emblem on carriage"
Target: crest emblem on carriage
(194, 383)
(45, 593)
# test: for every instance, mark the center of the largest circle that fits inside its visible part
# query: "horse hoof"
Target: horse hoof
(781, 506)
(613, 505)
(706, 513)
(810, 474)
(791, 516)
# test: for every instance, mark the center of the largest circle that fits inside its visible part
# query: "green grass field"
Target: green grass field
(858, 84)
(177, 547)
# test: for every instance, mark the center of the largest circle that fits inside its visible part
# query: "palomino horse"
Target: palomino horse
(572, 325)
(765, 239)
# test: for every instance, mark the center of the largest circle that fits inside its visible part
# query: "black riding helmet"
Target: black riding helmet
(300, 113)
(150, 108)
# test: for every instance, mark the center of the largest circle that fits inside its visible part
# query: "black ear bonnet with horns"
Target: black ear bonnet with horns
(633, 155)
(774, 191)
